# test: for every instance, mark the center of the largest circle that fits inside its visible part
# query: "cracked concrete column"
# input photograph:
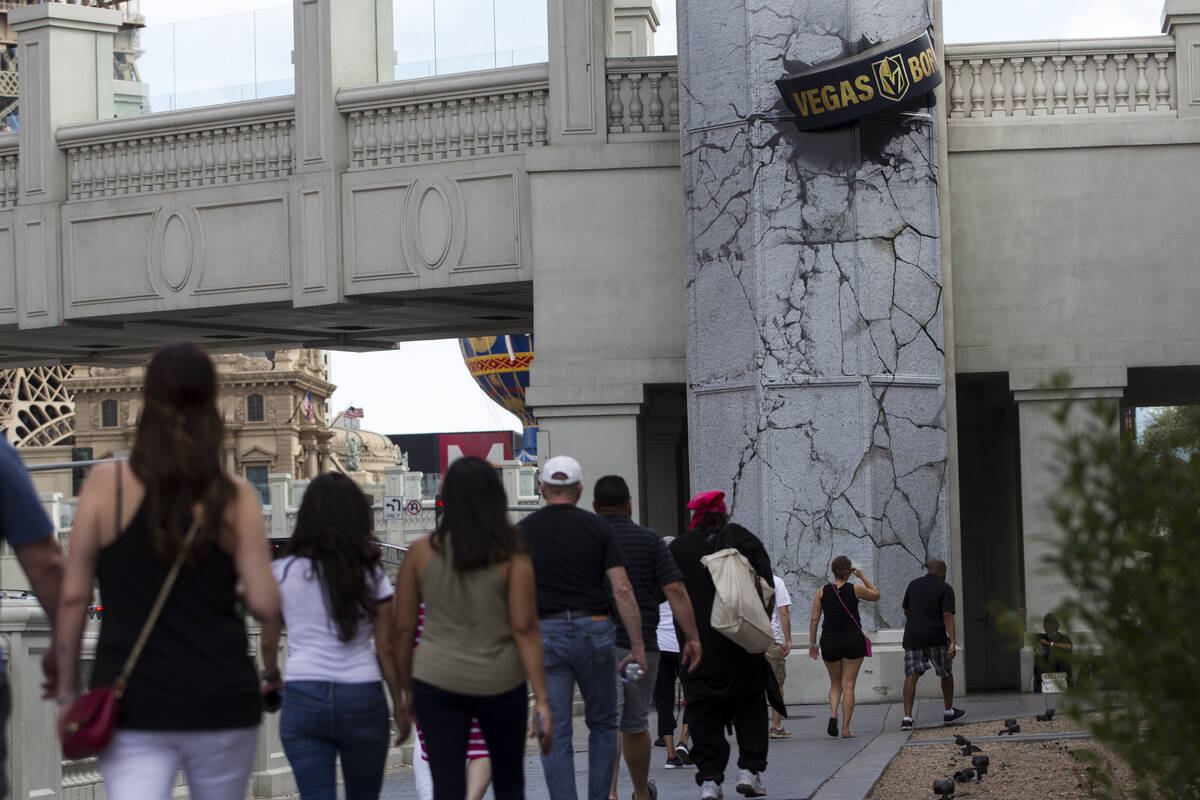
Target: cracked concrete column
(817, 370)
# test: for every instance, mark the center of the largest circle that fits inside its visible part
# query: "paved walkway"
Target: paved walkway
(808, 766)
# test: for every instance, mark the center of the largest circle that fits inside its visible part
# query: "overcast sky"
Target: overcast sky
(424, 386)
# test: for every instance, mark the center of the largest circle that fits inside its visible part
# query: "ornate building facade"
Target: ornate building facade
(268, 426)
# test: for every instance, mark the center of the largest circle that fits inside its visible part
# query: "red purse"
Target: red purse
(87, 725)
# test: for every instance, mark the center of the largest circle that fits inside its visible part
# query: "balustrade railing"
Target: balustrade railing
(456, 116)
(8, 170)
(234, 143)
(1060, 78)
(643, 94)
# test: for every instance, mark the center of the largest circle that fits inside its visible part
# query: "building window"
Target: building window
(254, 408)
(108, 414)
(257, 476)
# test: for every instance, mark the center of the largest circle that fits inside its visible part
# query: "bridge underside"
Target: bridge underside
(374, 323)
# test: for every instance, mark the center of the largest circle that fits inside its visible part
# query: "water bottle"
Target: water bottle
(631, 672)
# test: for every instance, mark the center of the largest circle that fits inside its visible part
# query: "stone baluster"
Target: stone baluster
(109, 187)
(526, 120)
(1039, 86)
(656, 103)
(439, 131)
(468, 127)
(539, 119)
(259, 132)
(999, 105)
(1021, 101)
(10, 176)
(957, 94)
(1122, 86)
(221, 171)
(1079, 88)
(426, 132)
(1142, 87)
(137, 179)
(1162, 86)
(157, 170)
(172, 168)
(123, 167)
(73, 172)
(246, 137)
(85, 173)
(413, 136)
(96, 168)
(1102, 87)
(4, 180)
(356, 139)
(976, 88)
(286, 149)
(498, 123)
(370, 140)
(273, 149)
(1060, 85)
(673, 106)
(455, 133)
(511, 128)
(207, 174)
(484, 131)
(616, 110)
(195, 148)
(236, 161)
(636, 107)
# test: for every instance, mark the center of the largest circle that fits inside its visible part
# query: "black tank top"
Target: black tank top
(836, 619)
(194, 672)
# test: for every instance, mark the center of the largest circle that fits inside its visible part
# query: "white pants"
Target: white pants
(421, 774)
(141, 765)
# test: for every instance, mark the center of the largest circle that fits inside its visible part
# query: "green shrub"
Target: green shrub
(1130, 521)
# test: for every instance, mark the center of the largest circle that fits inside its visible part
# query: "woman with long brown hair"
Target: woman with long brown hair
(192, 699)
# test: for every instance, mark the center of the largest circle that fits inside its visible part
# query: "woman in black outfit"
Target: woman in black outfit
(842, 645)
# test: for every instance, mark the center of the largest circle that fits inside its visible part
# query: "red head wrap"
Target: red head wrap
(703, 503)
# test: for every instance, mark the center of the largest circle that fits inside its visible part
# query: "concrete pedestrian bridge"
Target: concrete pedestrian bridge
(849, 331)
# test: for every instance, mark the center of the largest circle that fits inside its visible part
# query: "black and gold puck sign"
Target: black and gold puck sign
(894, 72)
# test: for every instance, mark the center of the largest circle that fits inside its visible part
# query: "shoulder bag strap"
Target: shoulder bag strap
(156, 609)
(838, 595)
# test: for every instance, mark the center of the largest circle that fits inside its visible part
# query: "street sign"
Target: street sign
(1054, 682)
(414, 507)
(393, 507)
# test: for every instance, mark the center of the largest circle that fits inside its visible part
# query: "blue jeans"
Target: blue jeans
(581, 651)
(320, 720)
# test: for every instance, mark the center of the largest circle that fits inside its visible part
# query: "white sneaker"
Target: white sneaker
(711, 790)
(750, 784)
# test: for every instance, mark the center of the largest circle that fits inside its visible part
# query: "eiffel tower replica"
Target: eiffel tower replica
(124, 49)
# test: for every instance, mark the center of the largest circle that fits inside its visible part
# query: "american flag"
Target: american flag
(353, 413)
(307, 405)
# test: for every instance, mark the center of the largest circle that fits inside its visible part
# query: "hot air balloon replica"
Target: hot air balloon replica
(500, 365)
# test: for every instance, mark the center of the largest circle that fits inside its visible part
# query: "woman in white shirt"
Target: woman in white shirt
(335, 596)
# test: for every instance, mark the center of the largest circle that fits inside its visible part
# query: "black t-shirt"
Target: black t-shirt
(570, 549)
(650, 567)
(926, 599)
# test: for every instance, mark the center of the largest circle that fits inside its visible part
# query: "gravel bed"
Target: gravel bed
(1060, 723)
(1031, 769)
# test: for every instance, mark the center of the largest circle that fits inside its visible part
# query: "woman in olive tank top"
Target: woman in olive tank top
(480, 641)
(192, 700)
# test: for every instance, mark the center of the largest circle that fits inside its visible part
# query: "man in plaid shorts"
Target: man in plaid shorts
(929, 638)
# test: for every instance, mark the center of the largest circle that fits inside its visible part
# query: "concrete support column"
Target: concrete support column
(1181, 19)
(1039, 435)
(632, 29)
(66, 75)
(816, 345)
(577, 37)
(602, 438)
(338, 43)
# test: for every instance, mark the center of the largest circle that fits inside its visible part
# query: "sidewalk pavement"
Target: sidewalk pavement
(808, 766)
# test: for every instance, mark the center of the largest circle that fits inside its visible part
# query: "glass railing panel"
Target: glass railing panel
(214, 60)
(441, 37)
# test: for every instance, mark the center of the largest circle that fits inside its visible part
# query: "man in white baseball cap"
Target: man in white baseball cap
(573, 551)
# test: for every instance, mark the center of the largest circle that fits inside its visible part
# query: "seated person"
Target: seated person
(1053, 653)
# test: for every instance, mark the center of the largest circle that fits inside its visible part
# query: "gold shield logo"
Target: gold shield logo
(891, 78)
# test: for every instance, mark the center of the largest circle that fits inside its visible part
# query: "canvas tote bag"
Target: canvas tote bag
(740, 606)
